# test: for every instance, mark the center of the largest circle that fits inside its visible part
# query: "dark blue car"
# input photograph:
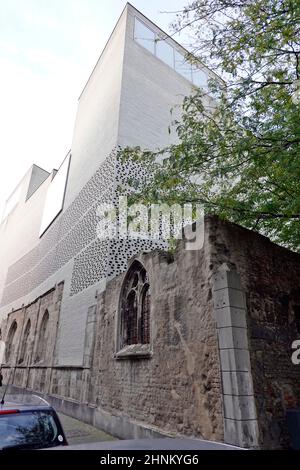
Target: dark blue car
(29, 426)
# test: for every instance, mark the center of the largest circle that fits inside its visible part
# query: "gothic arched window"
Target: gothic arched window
(25, 342)
(135, 307)
(42, 341)
(10, 341)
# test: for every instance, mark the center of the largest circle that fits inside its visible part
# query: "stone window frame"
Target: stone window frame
(41, 346)
(10, 346)
(136, 286)
(24, 343)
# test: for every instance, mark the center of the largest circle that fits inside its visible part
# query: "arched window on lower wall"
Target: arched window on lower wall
(25, 339)
(135, 307)
(42, 338)
(10, 344)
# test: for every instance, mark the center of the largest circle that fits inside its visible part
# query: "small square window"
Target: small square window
(144, 36)
(165, 52)
(183, 66)
(200, 78)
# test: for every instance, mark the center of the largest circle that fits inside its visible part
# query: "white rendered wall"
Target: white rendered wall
(97, 120)
(19, 231)
(126, 101)
(150, 88)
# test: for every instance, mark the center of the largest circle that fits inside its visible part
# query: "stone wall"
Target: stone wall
(178, 387)
(218, 365)
(270, 276)
(30, 357)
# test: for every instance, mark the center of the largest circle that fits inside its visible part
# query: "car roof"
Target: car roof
(152, 444)
(24, 407)
(24, 401)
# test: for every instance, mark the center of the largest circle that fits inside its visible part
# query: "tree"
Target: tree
(240, 158)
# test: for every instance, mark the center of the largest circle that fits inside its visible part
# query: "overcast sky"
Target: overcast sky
(48, 49)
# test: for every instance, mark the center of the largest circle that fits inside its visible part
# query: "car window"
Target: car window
(29, 428)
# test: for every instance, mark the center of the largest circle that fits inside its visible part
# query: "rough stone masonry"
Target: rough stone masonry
(216, 362)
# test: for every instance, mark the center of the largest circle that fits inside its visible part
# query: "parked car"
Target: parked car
(29, 426)
(153, 444)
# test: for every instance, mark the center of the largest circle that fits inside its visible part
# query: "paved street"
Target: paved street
(78, 432)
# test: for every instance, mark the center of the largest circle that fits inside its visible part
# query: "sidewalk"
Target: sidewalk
(78, 432)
